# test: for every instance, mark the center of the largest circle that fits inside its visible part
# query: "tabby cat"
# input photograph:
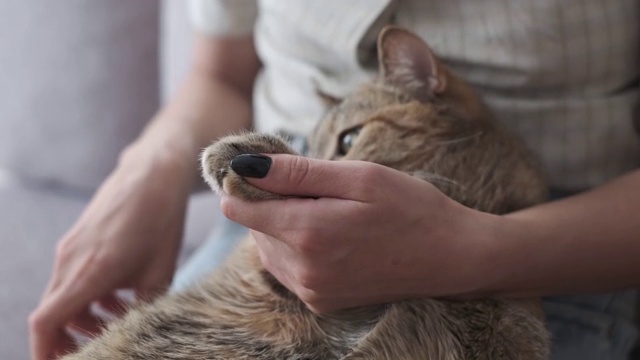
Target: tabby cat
(416, 117)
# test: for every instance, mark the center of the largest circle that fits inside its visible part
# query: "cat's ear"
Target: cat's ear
(408, 62)
(327, 99)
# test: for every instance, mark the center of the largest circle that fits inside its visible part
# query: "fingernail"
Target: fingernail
(251, 165)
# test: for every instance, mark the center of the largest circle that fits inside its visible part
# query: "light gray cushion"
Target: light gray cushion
(30, 224)
(175, 45)
(79, 81)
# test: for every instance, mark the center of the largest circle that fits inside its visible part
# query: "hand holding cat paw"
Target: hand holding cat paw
(226, 161)
(359, 233)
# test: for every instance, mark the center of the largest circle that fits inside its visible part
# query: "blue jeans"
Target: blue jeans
(210, 255)
(586, 327)
(591, 326)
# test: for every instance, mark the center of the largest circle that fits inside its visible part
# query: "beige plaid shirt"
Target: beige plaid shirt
(561, 73)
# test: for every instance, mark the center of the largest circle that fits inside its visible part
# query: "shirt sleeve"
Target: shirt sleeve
(223, 17)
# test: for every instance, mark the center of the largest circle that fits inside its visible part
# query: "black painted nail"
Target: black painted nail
(251, 165)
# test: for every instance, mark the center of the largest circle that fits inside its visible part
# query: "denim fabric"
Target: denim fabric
(586, 327)
(594, 326)
(210, 255)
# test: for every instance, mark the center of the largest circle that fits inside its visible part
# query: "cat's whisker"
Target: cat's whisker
(431, 177)
(459, 140)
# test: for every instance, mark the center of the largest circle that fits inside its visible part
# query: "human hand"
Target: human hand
(359, 233)
(127, 237)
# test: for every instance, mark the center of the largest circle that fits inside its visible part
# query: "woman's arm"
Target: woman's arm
(375, 234)
(588, 242)
(214, 100)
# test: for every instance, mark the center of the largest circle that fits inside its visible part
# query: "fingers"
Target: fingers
(331, 188)
(292, 220)
(73, 286)
(148, 294)
(47, 324)
(63, 345)
(49, 334)
(301, 176)
(113, 305)
(44, 338)
(86, 323)
(152, 284)
(303, 276)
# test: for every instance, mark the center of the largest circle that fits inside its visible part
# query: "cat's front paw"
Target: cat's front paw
(216, 163)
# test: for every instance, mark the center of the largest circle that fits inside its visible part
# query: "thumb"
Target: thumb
(292, 175)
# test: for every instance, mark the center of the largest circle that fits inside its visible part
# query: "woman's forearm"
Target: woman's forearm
(214, 100)
(203, 110)
(585, 243)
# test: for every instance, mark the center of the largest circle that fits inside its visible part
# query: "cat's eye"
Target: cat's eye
(347, 139)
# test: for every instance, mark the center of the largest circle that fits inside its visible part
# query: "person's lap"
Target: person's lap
(583, 327)
(598, 326)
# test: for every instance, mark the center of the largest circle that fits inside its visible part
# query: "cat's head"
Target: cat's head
(419, 118)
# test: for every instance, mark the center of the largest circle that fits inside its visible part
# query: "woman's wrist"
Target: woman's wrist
(155, 162)
(492, 255)
(503, 255)
(517, 254)
(471, 260)
(483, 251)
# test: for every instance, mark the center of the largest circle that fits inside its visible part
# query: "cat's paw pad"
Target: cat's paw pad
(216, 163)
